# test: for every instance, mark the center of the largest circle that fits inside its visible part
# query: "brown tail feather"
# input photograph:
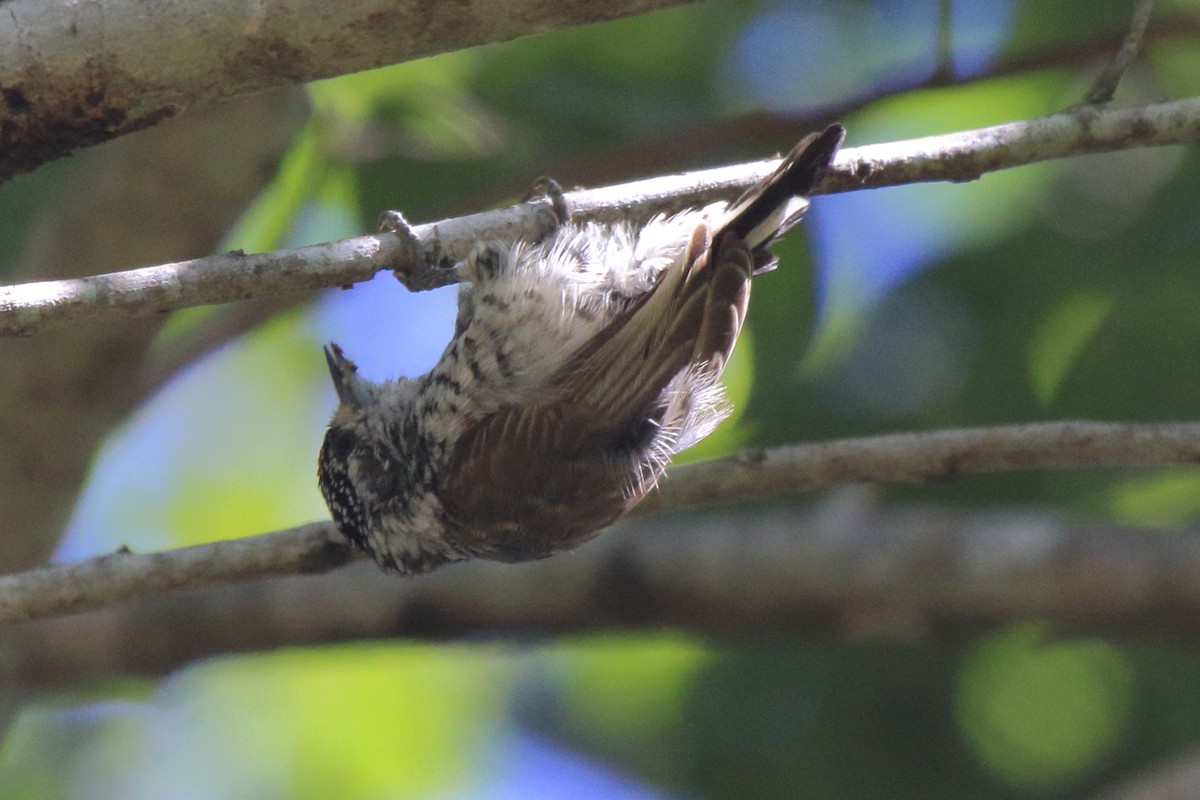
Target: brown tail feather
(695, 313)
(725, 305)
(796, 177)
(735, 258)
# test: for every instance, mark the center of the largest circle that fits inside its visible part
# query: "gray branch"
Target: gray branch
(1174, 779)
(927, 457)
(76, 74)
(1105, 85)
(27, 308)
(843, 568)
(917, 457)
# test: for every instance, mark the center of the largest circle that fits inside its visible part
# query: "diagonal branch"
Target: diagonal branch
(423, 264)
(1105, 85)
(916, 457)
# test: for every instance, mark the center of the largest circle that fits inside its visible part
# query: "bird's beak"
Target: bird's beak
(351, 389)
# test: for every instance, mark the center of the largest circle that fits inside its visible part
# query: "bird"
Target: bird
(579, 366)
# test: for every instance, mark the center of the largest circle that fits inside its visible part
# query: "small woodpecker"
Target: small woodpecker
(579, 366)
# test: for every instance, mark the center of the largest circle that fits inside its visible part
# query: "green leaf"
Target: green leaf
(1042, 713)
(1060, 338)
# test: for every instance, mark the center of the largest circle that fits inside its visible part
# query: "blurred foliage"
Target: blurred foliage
(1042, 713)
(1059, 290)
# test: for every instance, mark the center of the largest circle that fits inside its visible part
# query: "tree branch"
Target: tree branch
(917, 457)
(76, 74)
(963, 156)
(1174, 779)
(664, 150)
(926, 457)
(1110, 77)
(843, 569)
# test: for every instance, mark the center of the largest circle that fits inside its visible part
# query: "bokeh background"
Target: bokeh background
(1052, 291)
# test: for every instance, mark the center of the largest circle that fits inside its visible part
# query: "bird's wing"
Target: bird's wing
(534, 479)
(530, 481)
(692, 317)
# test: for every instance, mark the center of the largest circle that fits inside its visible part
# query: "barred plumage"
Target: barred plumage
(579, 366)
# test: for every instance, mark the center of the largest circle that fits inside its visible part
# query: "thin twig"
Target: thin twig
(916, 457)
(1107, 81)
(963, 156)
(943, 73)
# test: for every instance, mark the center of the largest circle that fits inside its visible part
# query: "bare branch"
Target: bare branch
(842, 569)
(1106, 82)
(1175, 779)
(963, 156)
(967, 155)
(914, 457)
(123, 576)
(75, 74)
(927, 457)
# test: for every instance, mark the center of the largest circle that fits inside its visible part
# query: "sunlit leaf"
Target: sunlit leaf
(1061, 337)
(1041, 712)
(1161, 498)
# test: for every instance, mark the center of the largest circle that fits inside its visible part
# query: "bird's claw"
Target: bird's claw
(394, 222)
(549, 190)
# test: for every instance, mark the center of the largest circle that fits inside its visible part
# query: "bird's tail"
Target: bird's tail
(773, 205)
(652, 373)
